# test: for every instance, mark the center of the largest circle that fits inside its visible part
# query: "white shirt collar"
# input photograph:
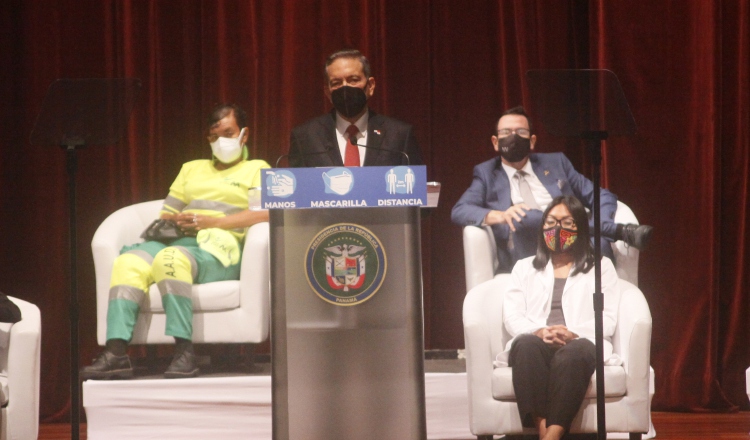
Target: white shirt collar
(510, 171)
(361, 123)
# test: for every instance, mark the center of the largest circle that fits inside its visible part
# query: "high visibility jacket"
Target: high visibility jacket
(204, 190)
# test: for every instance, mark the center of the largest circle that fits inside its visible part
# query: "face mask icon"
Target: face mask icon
(338, 181)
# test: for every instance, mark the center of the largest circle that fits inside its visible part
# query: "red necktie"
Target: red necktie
(351, 155)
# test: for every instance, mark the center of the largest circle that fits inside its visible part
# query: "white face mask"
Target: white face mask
(227, 150)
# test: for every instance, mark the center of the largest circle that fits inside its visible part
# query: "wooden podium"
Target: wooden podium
(346, 283)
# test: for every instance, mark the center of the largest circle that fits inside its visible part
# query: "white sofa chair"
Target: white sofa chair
(480, 260)
(224, 311)
(480, 252)
(20, 346)
(492, 406)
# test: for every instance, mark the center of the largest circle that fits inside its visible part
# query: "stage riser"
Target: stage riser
(233, 408)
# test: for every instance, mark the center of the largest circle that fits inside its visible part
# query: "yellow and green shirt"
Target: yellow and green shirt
(202, 189)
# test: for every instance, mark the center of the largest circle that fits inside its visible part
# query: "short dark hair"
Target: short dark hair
(517, 110)
(220, 111)
(348, 53)
(583, 251)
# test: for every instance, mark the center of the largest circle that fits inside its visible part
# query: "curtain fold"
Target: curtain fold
(448, 68)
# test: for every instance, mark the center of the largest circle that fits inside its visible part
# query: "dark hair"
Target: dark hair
(583, 251)
(348, 53)
(517, 110)
(223, 110)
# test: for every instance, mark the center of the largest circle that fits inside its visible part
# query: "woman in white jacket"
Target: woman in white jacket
(548, 309)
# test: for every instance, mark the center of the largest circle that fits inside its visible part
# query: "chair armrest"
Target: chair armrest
(634, 334)
(23, 372)
(480, 256)
(626, 257)
(483, 337)
(255, 287)
(122, 227)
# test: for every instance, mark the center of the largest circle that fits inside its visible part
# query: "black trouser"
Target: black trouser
(550, 382)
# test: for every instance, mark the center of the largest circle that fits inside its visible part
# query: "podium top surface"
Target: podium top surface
(580, 102)
(90, 111)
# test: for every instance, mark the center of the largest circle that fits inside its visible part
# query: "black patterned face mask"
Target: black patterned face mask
(513, 148)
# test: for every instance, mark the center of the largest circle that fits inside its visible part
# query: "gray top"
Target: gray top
(556, 312)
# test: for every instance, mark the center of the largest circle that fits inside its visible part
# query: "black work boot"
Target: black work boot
(637, 236)
(108, 366)
(183, 362)
(182, 366)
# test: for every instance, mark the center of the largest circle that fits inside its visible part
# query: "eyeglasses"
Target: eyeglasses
(566, 222)
(505, 132)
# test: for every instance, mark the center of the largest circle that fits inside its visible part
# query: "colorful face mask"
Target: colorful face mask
(559, 239)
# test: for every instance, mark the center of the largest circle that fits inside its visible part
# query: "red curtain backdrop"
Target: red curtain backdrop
(447, 67)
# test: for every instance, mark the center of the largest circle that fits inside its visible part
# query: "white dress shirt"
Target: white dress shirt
(541, 195)
(341, 126)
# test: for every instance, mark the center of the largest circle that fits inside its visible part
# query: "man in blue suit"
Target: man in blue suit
(510, 192)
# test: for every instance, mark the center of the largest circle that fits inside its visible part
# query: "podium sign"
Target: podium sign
(340, 187)
(347, 339)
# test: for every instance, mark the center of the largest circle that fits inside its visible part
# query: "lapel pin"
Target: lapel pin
(546, 172)
(377, 132)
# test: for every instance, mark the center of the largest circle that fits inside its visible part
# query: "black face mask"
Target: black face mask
(348, 100)
(514, 148)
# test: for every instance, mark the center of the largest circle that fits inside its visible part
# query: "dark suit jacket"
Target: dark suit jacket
(314, 143)
(490, 190)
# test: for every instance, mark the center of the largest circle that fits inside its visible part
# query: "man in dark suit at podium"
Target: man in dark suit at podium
(352, 134)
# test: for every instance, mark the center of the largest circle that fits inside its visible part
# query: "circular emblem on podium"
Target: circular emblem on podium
(345, 264)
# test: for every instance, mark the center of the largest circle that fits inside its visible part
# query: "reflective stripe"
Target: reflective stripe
(173, 204)
(191, 258)
(175, 287)
(210, 205)
(126, 292)
(143, 255)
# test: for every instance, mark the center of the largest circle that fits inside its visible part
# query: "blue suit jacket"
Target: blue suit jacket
(490, 190)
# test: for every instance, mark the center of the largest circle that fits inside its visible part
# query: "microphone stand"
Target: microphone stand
(403, 153)
(594, 140)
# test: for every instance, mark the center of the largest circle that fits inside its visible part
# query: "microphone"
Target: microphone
(313, 153)
(408, 161)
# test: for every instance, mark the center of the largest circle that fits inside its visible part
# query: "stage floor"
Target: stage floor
(237, 404)
(229, 406)
(670, 426)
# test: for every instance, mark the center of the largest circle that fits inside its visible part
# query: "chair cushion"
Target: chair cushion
(614, 383)
(220, 295)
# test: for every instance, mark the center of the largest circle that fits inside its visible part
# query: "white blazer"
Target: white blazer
(528, 299)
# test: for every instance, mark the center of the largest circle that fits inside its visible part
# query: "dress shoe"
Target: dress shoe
(182, 366)
(637, 236)
(108, 366)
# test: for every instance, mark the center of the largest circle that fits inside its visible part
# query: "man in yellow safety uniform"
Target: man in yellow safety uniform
(209, 202)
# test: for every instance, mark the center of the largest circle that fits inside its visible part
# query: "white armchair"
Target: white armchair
(224, 311)
(20, 346)
(480, 252)
(492, 406)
